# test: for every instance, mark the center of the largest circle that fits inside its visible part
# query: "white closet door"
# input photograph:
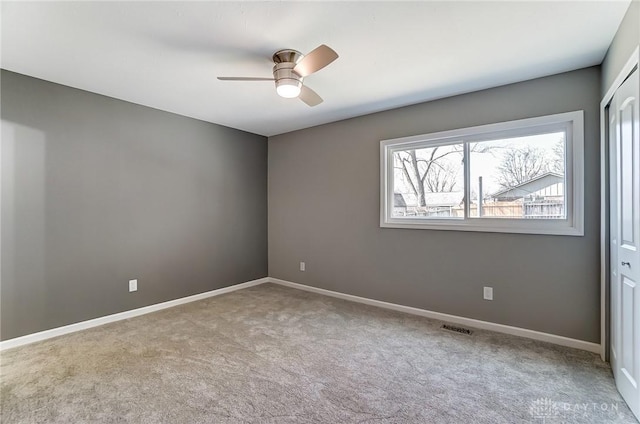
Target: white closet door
(625, 239)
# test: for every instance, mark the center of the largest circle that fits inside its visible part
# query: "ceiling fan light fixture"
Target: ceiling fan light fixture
(288, 88)
(289, 70)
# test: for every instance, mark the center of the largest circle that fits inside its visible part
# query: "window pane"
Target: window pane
(519, 178)
(429, 182)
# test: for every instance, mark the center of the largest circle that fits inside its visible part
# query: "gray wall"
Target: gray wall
(97, 191)
(626, 40)
(324, 210)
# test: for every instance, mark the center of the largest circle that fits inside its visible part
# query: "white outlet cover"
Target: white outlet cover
(302, 266)
(133, 285)
(488, 293)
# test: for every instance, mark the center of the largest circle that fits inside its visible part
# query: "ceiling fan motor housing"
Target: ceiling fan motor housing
(288, 82)
(284, 71)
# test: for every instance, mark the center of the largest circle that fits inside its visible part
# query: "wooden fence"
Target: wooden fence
(552, 209)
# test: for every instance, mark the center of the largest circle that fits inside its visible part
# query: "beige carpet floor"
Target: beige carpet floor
(271, 354)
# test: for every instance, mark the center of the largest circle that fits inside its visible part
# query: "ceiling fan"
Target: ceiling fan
(291, 67)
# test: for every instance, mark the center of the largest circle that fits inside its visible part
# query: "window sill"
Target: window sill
(561, 228)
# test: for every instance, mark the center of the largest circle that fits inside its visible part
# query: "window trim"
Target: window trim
(573, 225)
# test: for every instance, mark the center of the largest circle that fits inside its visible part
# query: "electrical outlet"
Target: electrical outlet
(302, 266)
(133, 285)
(488, 293)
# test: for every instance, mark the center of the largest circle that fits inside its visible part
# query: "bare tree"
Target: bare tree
(521, 165)
(426, 172)
(429, 170)
(441, 179)
(557, 161)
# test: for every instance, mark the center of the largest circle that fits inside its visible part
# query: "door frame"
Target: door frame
(630, 65)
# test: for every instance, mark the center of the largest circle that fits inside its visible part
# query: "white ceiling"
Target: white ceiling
(167, 54)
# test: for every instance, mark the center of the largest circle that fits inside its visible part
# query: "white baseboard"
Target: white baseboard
(83, 325)
(484, 325)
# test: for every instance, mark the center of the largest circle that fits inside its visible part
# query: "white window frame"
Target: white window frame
(572, 225)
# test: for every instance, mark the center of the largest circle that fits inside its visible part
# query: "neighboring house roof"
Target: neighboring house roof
(398, 201)
(532, 186)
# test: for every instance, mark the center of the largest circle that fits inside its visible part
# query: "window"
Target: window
(522, 176)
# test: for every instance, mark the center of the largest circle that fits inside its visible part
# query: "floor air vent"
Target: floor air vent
(461, 330)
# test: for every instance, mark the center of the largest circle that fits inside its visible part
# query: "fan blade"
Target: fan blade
(245, 79)
(309, 96)
(315, 60)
